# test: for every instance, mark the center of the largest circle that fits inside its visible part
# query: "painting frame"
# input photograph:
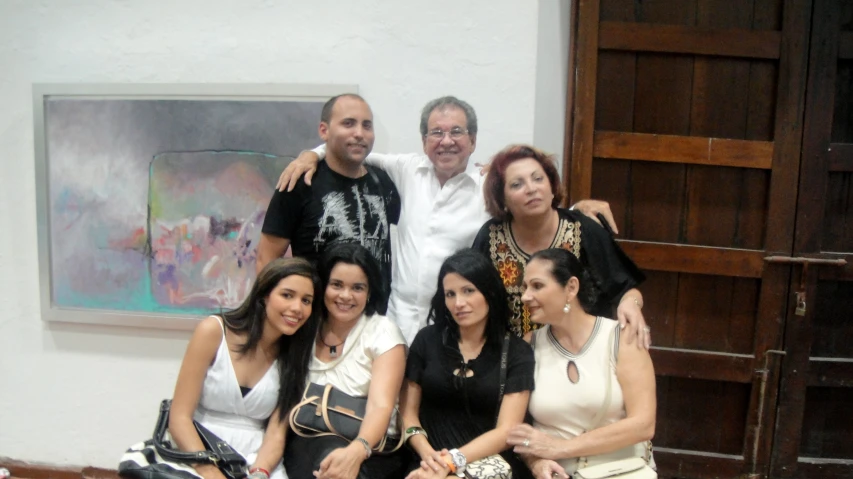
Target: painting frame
(44, 92)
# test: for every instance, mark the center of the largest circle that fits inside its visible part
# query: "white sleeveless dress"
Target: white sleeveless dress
(566, 410)
(236, 419)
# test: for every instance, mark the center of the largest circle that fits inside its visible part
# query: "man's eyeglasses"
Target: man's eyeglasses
(438, 135)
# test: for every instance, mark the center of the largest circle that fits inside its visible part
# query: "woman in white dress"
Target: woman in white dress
(595, 398)
(361, 353)
(243, 367)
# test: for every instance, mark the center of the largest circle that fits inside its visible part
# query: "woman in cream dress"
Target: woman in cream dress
(595, 399)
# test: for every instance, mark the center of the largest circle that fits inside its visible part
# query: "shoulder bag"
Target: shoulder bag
(158, 458)
(328, 411)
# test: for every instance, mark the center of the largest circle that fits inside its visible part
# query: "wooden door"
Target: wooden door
(814, 427)
(687, 115)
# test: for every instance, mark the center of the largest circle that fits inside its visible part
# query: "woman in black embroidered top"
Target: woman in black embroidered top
(523, 194)
(450, 400)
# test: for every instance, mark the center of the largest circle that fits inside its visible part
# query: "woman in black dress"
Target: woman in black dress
(453, 412)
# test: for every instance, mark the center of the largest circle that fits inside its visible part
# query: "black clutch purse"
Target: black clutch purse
(325, 410)
(171, 463)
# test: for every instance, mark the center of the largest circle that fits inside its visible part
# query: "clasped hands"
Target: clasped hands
(433, 466)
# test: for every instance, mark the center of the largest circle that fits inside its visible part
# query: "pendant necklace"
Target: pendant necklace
(333, 348)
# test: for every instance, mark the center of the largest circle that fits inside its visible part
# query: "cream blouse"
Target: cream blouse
(350, 372)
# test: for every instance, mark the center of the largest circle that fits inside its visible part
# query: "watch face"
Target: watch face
(458, 458)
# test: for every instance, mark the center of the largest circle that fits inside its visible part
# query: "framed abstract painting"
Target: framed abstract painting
(150, 198)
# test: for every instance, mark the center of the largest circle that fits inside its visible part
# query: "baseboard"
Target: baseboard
(28, 470)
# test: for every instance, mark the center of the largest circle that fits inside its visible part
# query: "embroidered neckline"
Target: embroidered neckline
(513, 245)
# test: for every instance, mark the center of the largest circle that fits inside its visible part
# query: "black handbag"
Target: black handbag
(158, 458)
(328, 411)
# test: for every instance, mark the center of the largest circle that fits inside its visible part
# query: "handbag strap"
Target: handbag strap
(321, 406)
(162, 447)
(307, 401)
(504, 358)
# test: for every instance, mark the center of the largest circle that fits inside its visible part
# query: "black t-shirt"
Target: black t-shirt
(337, 209)
(454, 410)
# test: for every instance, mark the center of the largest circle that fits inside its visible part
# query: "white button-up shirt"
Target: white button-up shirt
(435, 222)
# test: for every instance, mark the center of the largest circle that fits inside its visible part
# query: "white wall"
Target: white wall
(75, 394)
(552, 64)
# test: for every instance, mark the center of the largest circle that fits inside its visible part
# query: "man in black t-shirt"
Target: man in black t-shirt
(348, 201)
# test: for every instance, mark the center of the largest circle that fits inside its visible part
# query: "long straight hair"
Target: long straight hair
(294, 351)
(476, 268)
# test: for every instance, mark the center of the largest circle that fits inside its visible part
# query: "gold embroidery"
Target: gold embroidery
(510, 261)
(509, 271)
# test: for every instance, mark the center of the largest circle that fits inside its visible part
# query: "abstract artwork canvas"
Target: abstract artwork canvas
(151, 199)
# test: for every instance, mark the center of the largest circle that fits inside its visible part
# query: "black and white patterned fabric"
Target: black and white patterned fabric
(141, 461)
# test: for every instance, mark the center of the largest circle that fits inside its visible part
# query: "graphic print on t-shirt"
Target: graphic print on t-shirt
(367, 225)
(337, 209)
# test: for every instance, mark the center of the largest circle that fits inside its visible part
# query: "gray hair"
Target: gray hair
(450, 101)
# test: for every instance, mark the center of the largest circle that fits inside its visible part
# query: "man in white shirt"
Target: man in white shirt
(442, 204)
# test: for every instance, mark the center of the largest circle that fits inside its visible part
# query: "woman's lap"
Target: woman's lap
(302, 456)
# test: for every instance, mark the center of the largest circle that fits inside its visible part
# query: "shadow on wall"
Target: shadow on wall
(117, 341)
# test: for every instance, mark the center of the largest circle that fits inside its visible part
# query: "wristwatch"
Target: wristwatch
(459, 461)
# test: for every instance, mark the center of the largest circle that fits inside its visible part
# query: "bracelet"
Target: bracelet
(414, 431)
(367, 449)
(260, 470)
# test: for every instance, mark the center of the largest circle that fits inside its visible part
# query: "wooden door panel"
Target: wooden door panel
(827, 424)
(833, 323)
(812, 437)
(725, 206)
(838, 214)
(651, 219)
(722, 307)
(662, 94)
(687, 118)
(716, 313)
(723, 425)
